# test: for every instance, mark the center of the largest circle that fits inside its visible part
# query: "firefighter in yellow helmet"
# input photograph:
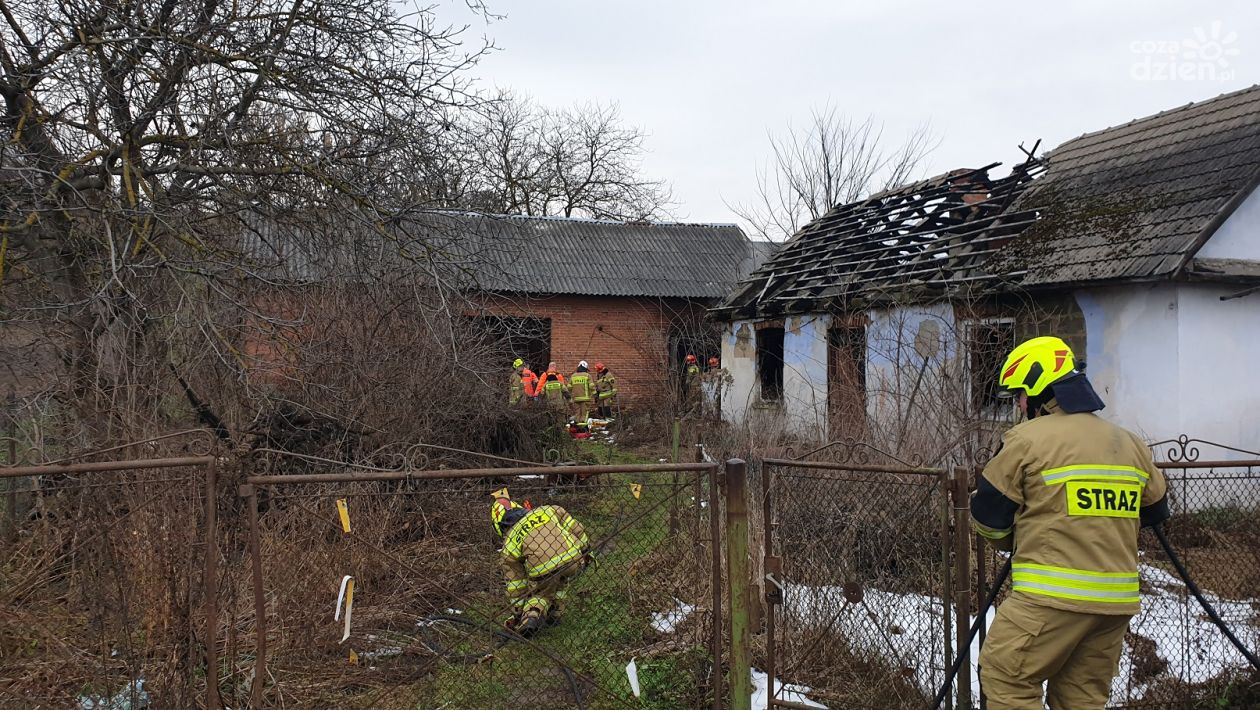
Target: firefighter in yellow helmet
(543, 549)
(1067, 491)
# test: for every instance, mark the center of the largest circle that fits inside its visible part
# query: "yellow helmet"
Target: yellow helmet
(499, 510)
(518, 363)
(1035, 364)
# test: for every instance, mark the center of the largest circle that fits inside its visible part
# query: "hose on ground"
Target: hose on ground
(1203, 602)
(965, 651)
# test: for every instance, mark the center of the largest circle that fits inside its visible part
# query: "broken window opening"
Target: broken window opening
(846, 379)
(989, 341)
(770, 363)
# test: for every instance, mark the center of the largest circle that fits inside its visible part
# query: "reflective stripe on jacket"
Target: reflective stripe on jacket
(606, 386)
(580, 387)
(543, 541)
(1071, 491)
(552, 386)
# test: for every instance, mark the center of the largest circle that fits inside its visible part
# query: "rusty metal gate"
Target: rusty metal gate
(857, 579)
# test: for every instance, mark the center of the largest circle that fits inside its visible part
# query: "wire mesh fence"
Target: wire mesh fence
(862, 579)
(102, 595)
(412, 607)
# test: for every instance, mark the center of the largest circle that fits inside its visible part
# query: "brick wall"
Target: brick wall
(629, 335)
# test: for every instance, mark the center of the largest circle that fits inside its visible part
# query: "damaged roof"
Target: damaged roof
(914, 241)
(1132, 202)
(516, 254)
(1136, 201)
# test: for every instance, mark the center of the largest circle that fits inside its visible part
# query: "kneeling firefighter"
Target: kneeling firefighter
(1067, 491)
(543, 549)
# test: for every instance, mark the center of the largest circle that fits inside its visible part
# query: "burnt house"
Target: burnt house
(1139, 244)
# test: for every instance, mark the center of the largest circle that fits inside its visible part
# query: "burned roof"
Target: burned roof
(527, 255)
(1136, 201)
(1133, 202)
(917, 239)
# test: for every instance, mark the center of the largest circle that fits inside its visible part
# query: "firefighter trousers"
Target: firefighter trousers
(548, 594)
(1074, 654)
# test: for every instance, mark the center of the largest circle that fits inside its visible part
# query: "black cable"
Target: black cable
(965, 653)
(1203, 602)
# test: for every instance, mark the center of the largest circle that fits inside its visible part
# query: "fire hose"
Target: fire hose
(1003, 573)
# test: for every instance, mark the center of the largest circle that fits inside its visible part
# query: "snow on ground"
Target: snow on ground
(906, 629)
(666, 621)
(789, 692)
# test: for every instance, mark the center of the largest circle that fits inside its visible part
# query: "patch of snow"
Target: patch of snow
(666, 621)
(906, 629)
(791, 693)
(530, 475)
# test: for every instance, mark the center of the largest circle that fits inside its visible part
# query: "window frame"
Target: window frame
(1000, 410)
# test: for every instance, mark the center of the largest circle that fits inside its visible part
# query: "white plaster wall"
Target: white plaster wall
(1133, 356)
(739, 357)
(1219, 384)
(891, 361)
(805, 374)
(1239, 236)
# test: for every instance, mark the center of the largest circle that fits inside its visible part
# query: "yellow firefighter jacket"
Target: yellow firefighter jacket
(542, 542)
(1072, 490)
(581, 387)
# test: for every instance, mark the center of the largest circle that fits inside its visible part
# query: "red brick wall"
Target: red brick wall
(629, 335)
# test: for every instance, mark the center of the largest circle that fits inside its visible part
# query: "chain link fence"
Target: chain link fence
(102, 582)
(858, 558)
(428, 622)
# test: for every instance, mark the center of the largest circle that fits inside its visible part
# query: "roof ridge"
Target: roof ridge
(581, 220)
(1165, 112)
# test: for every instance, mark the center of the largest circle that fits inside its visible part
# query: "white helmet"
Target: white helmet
(582, 363)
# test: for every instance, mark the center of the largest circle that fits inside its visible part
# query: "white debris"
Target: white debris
(632, 673)
(666, 621)
(530, 475)
(789, 692)
(907, 630)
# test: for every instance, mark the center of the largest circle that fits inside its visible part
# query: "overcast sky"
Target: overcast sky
(708, 79)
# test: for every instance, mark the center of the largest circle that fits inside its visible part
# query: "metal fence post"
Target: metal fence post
(715, 550)
(947, 586)
(250, 493)
(962, 579)
(210, 583)
(737, 577)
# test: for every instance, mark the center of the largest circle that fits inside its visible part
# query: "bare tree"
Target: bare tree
(144, 143)
(577, 162)
(832, 161)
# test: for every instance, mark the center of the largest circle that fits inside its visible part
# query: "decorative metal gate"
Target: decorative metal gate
(857, 579)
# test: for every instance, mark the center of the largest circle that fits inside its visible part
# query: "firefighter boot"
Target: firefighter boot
(531, 624)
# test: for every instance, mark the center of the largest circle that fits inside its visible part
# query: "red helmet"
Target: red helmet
(713, 362)
(599, 367)
(691, 358)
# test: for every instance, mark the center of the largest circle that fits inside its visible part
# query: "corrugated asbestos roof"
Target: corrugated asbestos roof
(599, 257)
(1133, 202)
(534, 255)
(1136, 201)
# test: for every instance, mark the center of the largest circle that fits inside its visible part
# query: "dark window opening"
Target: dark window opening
(526, 338)
(846, 379)
(770, 363)
(988, 344)
(701, 340)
